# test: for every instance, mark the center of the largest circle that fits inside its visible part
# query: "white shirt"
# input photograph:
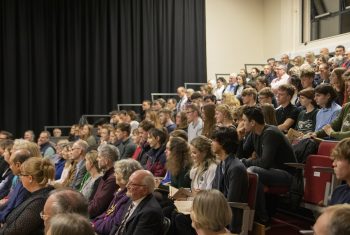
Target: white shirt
(204, 180)
(279, 81)
(195, 129)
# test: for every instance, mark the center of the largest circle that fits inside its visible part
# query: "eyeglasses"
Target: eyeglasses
(43, 216)
(21, 175)
(135, 185)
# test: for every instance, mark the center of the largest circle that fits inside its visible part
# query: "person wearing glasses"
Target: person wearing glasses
(112, 217)
(25, 218)
(144, 214)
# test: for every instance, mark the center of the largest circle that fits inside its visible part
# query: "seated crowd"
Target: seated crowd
(119, 179)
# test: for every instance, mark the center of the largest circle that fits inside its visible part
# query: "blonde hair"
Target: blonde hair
(32, 147)
(339, 216)
(230, 99)
(225, 110)
(91, 156)
(41, 169)
(211, 210)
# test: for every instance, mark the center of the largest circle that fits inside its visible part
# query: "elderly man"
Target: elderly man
(107, 155)
(46, 149)
(232, 84)
(144, 214)
(181, 92)
(79, 150)
(64, 200)
(334, 220)
(282, 78)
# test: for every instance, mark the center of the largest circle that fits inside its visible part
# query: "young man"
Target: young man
(46, 149)
(165, 120)
(249, 96)
(143, 129)
(126, 146)
(272, 149)
(231, 175)
(341, 164)
(195, 125)
(286, 113)
(307, 77)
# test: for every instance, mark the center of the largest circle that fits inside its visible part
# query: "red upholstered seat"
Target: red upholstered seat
(325, 148)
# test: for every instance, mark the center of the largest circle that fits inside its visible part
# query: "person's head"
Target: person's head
(158, 104)
(249, 96)
(181, 120)
(201, 152)
(224, 141)
(285, 59)
(143, 129)
(5, 145)
(339, 50)
(298, 60)
(230, 99)
(181, 91)
(280, 70)
(141, 183)
(189, 92)
(86, 131)
(307, 97)
(265, 96)
(91, 162)
(346, 78)
(333, 221)
(220, 81)
(267, 69)
(210, 211)
(79, 149)
(179, 133)
(32, 147)
(123, 131)
(6, 135)
(208, 113)
(44, 137)
(261, 82)
(192, 113)
(105, 132)
(29, 135)
(223, 113)
(253, 117)
(36, 173)
(164, 116)
(107, 155)
(324, 71)
(70, 223)
(197, 98)
(285, 93)
(64, 200)
(135, 136)
(241, 79)
(336, 79)
(324, 51)
(325, 95)
(209, 99)
(307, 77)
(123, 170)
(269, 113)
(112, 136)
(178, 155)
(171, 104)
(57, 132)
(341, 162)
(156, 137)
(310, 57)
(254, 72)
(232, 79)
(59, 146)
(271, 62)
(146, 105)
(16, 160)
(153, 117)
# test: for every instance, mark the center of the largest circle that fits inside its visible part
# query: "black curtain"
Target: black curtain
(60, 59)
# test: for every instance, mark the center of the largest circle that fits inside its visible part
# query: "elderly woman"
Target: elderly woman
(210, 213)
(103, 224)
(25, 218)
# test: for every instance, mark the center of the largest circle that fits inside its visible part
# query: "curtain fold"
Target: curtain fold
(60, 59)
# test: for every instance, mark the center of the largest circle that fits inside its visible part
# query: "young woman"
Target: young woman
(153, 117)
(179, 162)
(92, 176)
(223, 115)
(156, 155)
(86, 134)
(204, 165)
(241, 79)
(220, 87)
(136, 138)
(181, 121)
(338, 84)
(208, 116)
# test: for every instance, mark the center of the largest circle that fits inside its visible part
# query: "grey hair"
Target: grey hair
(149, 182)
(126, 167)
(109, 151)
(70, 223)
(83, 145)
(67, 200)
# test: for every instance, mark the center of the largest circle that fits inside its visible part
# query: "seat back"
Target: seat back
(315, 181)
(252, 189)
(325, 148)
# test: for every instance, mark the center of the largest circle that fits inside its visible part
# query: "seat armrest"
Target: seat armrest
(239, 205)
(295, 165)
